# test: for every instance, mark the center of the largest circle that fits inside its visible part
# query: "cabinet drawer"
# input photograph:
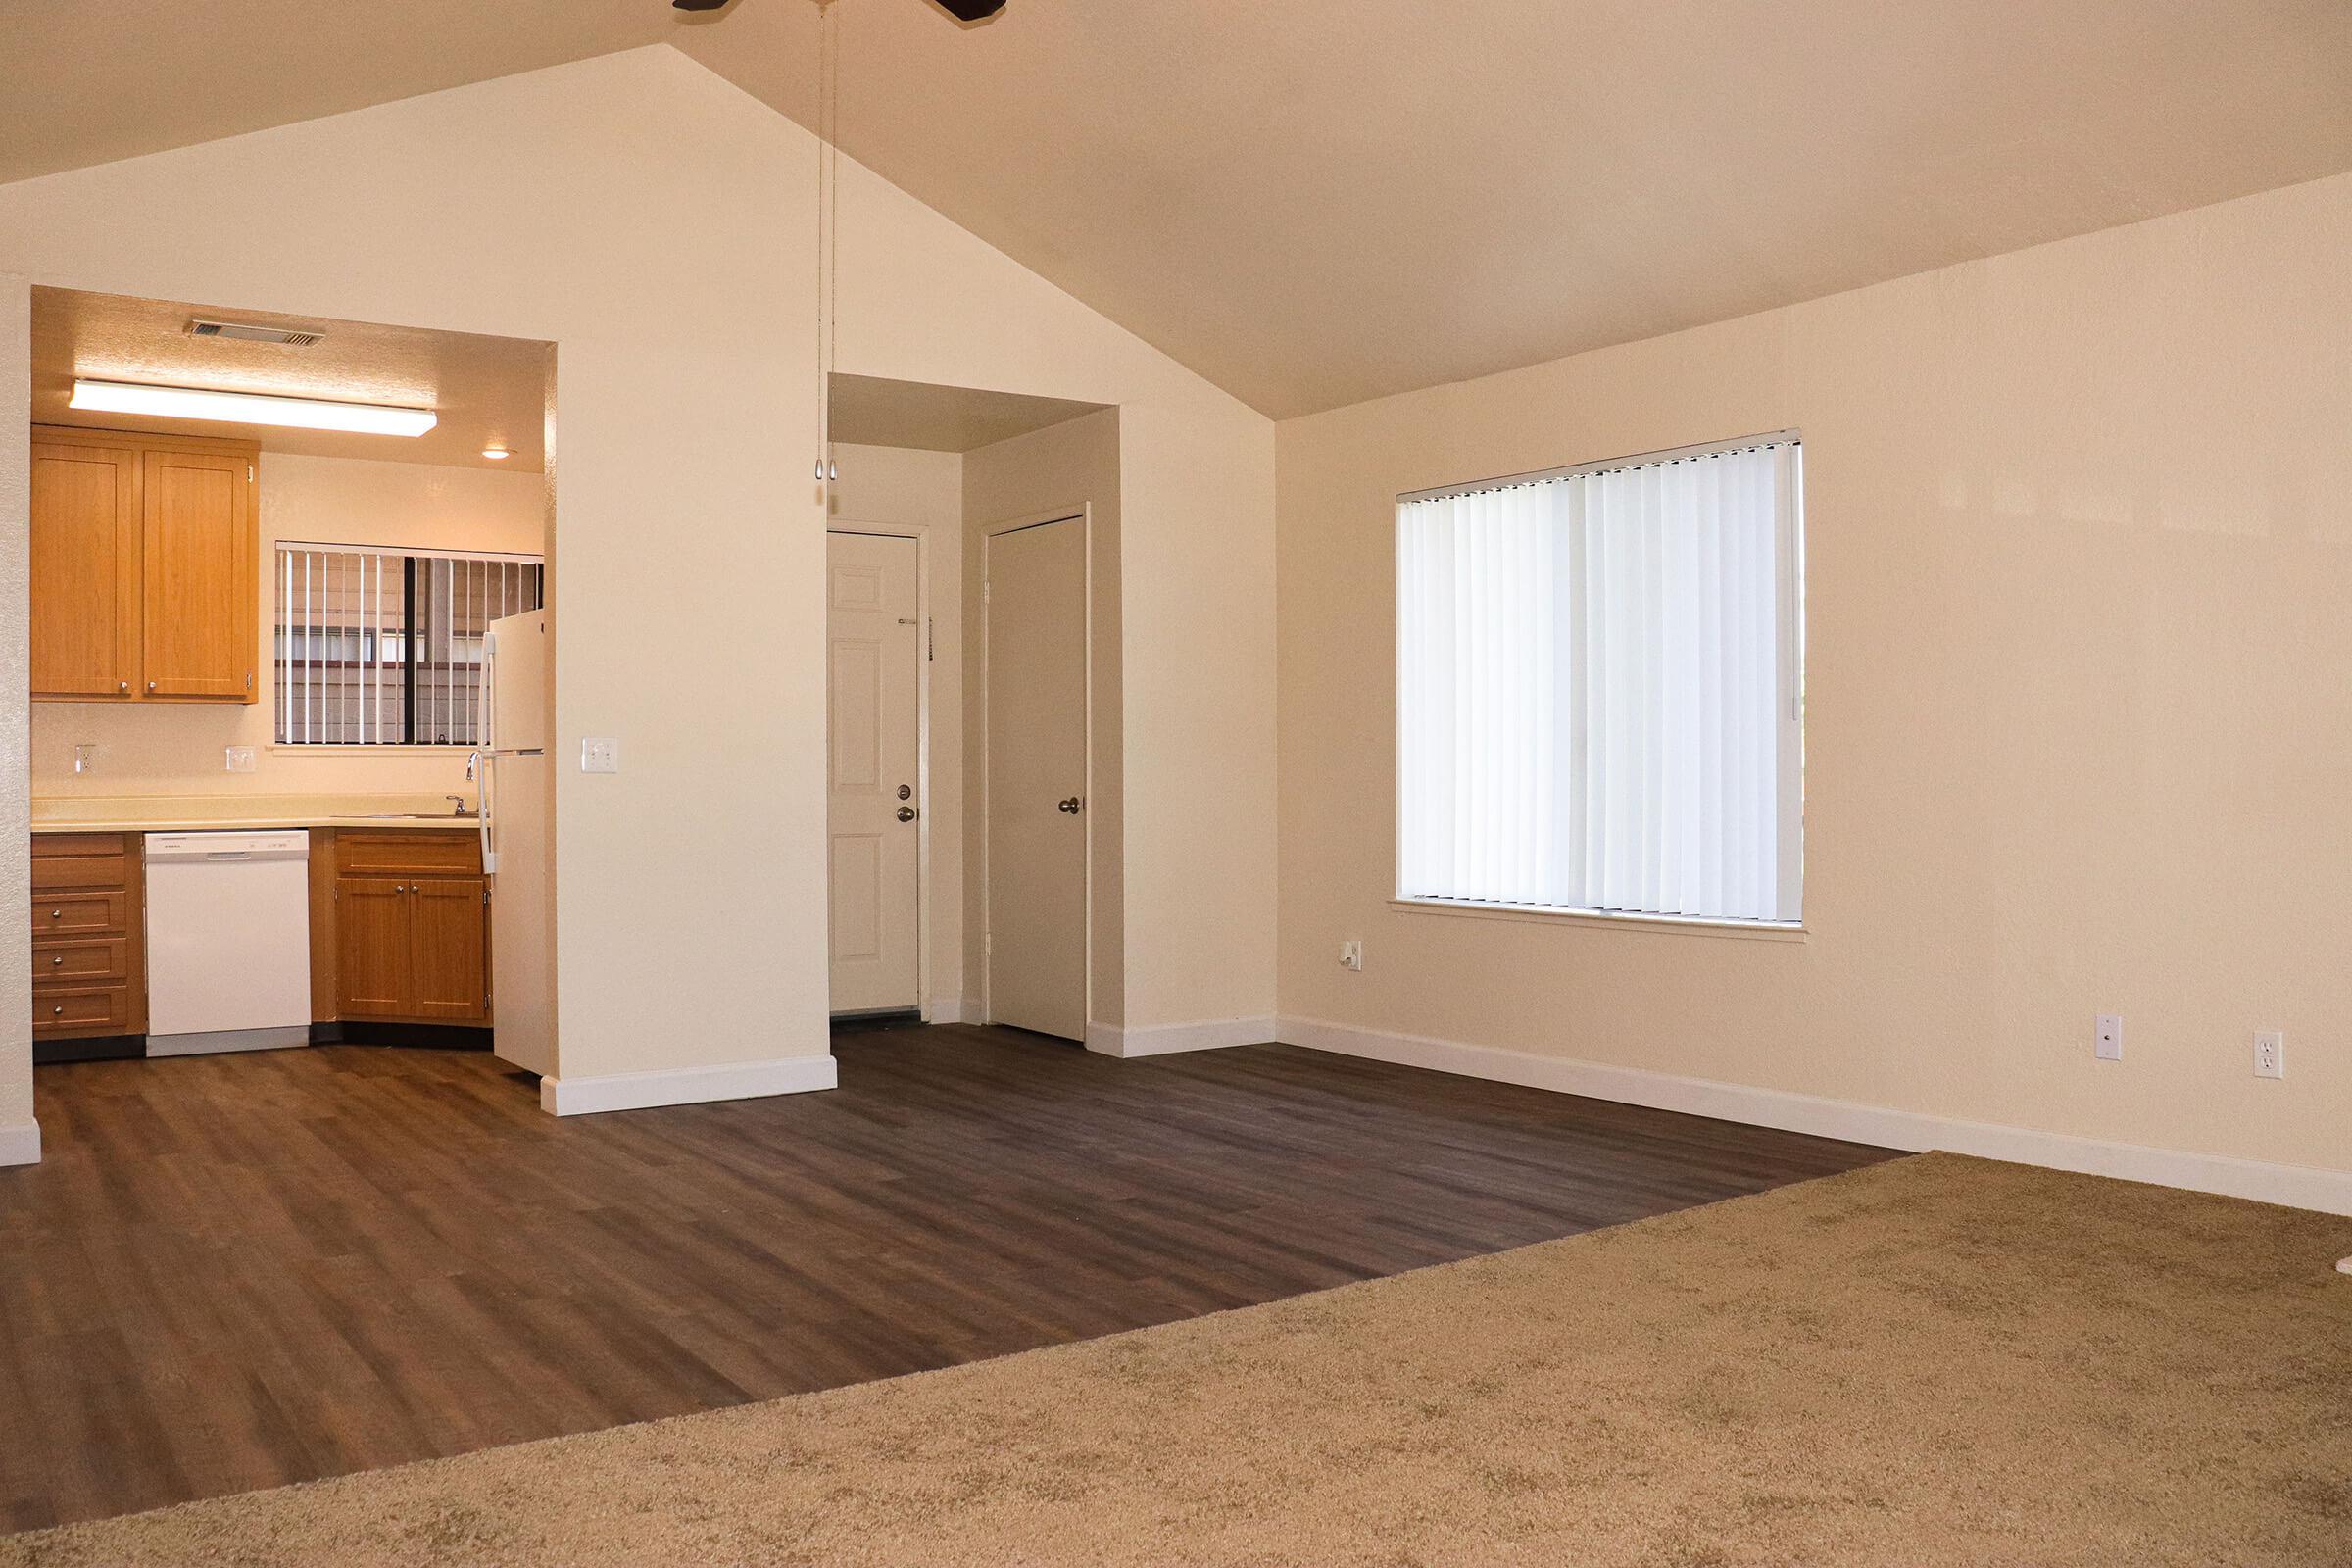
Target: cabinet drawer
(429, 853)
(81, 962)
(81, 1010)
(66, 871)
(80, 913)
(49, 846)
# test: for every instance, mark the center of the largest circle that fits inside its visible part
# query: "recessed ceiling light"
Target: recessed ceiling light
(495, 453)
(251, 408)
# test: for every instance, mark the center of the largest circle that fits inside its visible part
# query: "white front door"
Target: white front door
(873, 678)
(1037, 778)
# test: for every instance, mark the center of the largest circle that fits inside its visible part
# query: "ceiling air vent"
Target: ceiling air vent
(246, 332)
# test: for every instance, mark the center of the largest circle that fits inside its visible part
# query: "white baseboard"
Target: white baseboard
(21, 1145)
(685, 1086)
(1158, 1040)
(2297, 1185)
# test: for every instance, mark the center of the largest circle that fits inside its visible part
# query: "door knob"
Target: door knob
(1073, 806)
(905, 813)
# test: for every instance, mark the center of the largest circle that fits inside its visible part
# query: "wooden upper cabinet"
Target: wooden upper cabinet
(199, 632)
(145, 568)
(84, 587)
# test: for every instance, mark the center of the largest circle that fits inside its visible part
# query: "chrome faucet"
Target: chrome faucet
(460, 801)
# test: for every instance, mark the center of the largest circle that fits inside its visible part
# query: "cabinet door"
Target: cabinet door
(84, 586)
(452, 941)
(198, 635)
(374, 964)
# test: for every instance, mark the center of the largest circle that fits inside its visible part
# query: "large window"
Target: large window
(384, 647)
(1600, 687)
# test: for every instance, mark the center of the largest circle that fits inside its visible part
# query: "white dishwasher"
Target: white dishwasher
(228, 941)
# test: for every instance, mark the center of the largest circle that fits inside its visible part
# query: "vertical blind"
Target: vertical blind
(385, 647)
(1598, 688)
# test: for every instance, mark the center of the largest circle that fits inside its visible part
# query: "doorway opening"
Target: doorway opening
(943, 906)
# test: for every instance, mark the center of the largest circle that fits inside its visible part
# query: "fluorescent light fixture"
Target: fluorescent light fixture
(251, 408)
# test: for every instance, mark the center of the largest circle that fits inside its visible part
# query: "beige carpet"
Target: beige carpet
(1937, 1360)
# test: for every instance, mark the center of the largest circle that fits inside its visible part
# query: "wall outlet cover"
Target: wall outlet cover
(1351, 955)
(600, 753)
(2110, 1046)
(240, 759)
(2270, 1053)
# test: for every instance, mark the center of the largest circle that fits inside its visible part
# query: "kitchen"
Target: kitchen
(289, 628)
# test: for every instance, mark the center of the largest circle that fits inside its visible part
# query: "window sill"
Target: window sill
(1686, 925)
(370, 747)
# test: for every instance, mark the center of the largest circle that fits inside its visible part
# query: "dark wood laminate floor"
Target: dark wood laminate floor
(236, 1271)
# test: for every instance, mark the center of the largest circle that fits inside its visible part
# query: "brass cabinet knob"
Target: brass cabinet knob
(58, 1009)
(150, 685)
(55, 961)
(57, 915)
(122, 685)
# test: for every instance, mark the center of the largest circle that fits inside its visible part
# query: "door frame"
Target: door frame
(1081, 513)
(920, 533)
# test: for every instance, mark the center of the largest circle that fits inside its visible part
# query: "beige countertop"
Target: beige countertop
(200, 813)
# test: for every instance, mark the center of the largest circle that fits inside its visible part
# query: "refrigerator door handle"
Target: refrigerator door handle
(489, 811)
(489, 756)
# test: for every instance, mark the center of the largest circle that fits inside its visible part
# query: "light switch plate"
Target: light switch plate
(240, 759)
(600, 753)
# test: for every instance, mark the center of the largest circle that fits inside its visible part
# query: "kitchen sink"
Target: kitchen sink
(411, 817)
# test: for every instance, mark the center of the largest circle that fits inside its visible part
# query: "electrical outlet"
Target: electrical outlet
(1352, 956)
(2110, 1046)
(600, 753)
(2270, 1053)
(86, 759)
(240, 759)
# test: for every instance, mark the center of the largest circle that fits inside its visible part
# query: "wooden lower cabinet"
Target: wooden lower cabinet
(410, 917)
(89, 965)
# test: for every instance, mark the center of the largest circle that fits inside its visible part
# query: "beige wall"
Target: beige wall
(2078, 719)
(1071, 465)
(176, 749)
(902, 488)
(654, 223)
(17, 1139)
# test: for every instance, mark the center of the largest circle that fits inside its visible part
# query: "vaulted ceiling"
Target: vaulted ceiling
(1313, 202)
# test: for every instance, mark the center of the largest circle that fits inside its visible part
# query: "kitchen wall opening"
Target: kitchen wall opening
(291, 603)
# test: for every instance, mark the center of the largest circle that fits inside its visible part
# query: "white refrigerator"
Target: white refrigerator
(516, 846)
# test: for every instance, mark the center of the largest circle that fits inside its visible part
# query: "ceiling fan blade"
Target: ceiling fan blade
(699, 5)
(973, 10)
